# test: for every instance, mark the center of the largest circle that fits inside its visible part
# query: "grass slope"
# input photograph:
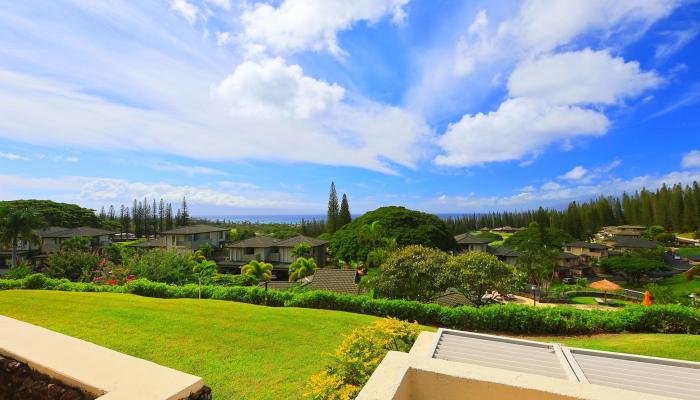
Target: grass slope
(242, 351)
(683, 347)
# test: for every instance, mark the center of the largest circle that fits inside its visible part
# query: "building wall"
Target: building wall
(195, 241)
(473, 247)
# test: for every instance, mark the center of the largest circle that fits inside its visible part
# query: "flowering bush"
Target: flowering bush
(108, 273)
(358, 356)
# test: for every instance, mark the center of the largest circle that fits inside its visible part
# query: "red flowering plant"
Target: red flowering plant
(108, 273)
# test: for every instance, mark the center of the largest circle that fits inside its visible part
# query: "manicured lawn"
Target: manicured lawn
(242, 351)
(683, 347)
(679, 284)
(688, 251)
(591, 301)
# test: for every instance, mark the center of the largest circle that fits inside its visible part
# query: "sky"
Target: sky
(254, 107)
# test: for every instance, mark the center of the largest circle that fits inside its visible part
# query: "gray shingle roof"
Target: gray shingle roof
(451, 298)
(190, 230)
(77, 232)
(45, 232)
(258, 241)
(466, 238)
(565, 255)
(587, 245)
(503, 251)
(632, 243)
(158, 242)
(334, 280)
(293, 241)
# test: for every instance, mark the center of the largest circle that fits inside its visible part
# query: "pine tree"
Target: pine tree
(169, 217)
(344, 217)
(146, 218)
(161, 215)
(333, 210)
(103, 215)
(154, 218)
(184, 215)
(127, 221)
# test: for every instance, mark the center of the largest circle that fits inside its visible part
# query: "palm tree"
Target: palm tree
(301, 267)
(372, 233)
(16, 225)
(259, 269)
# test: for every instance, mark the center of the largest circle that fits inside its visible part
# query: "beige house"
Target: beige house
(587, 252)
(469, 243)
(624, 243)
(505, 254)
(633, 231)
(52, 238)
(194, 236)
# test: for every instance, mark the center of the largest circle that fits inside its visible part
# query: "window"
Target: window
(249, 250)
(195, 237)
(274, 250)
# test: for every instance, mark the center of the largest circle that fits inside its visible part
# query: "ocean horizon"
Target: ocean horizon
(288, 218)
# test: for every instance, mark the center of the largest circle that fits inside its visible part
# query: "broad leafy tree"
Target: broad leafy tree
(302, 250)
(476, 274)
(633, 265)
(413, 273)
(204, 272)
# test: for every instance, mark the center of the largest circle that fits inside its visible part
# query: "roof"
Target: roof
(466, 238)
(605, 285)
(451, 298)
(293, 241)
(50, 230)
(257, 241)
(632, 243)
(502, 251)
(77, 232)
(566, 255)
(587, 245)
(334, 280)
(651, 375)
(192, 229)
(693, 257)
(158, 242)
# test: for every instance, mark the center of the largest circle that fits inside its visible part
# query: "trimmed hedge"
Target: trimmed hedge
(512, 318)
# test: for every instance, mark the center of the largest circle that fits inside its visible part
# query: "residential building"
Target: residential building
(586, 251)
(507, 229)
(194, 236)
(634, 231)
(505, 254)
(622, 243)
(52, 238)
(334, 280)
(567, 260)
(274, 251)
(469, 242)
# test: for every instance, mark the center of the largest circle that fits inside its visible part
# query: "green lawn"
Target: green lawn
(242, 351)
(679, 284)
(683, 347)
(688, 251)
(591, 301)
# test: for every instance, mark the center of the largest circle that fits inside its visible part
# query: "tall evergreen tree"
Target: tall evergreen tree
(161, 215)
(344, 216)
(169, 217)
(333, 210)
(184, 214)
(154, 218)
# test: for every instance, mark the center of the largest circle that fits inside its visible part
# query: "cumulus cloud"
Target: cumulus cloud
(187, 10)
(575, 174)
(691, 159)
(519, 127)
(580, 77)
(272, 86)
(296, 25)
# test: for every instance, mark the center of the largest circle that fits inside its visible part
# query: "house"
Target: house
(52, 238)
(567, 260)
(194, 236)
(622, 243)
(505, 254)
(469, 243)
(633, 231)
(507, 229)
(335, 280)
(587, 252)
(274, 251)
(158, 243)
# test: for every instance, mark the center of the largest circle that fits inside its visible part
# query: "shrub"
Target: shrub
(72, 264)
(21, 270)
(160, 265)
(233, 280)
(34, 281)
(358, 356)
(413, 273)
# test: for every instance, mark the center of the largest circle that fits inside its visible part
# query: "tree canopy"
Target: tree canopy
(56, 214)
(475, 274)
(408, 227)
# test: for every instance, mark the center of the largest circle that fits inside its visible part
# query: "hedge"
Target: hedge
(511, 318)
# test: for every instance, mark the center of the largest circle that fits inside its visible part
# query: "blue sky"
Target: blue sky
(254, 107)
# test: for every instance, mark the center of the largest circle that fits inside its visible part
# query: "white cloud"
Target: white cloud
(224, 38)
(188, 11)
(677, 40)
(691, 159)
(13, 156)
(272, 86)
(225, 4)
(189, 170)
(580, 77)
(297, 25)
(575, 174)
(519, 127)
(551, 186)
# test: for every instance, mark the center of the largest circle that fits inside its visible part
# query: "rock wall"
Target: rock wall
(19, 382)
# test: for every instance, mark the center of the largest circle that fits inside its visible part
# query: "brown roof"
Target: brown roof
(633, 243)
(565, 255)
(192, 229)
(502, 251)
(45, 232)
(587, 245)
(605, 285)
(451, 298)
(258, 241)
(466, 238)
(293, 241)
(334, 280)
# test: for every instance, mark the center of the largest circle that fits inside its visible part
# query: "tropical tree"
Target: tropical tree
(372, 233)
(301, 267)
(204, 271)
(262, 271)
(476, 274)
(16, 225)
(302, 250)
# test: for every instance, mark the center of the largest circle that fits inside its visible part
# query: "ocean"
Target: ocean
(282, 218)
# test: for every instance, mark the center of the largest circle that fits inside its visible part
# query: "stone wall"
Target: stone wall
(19, 382)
